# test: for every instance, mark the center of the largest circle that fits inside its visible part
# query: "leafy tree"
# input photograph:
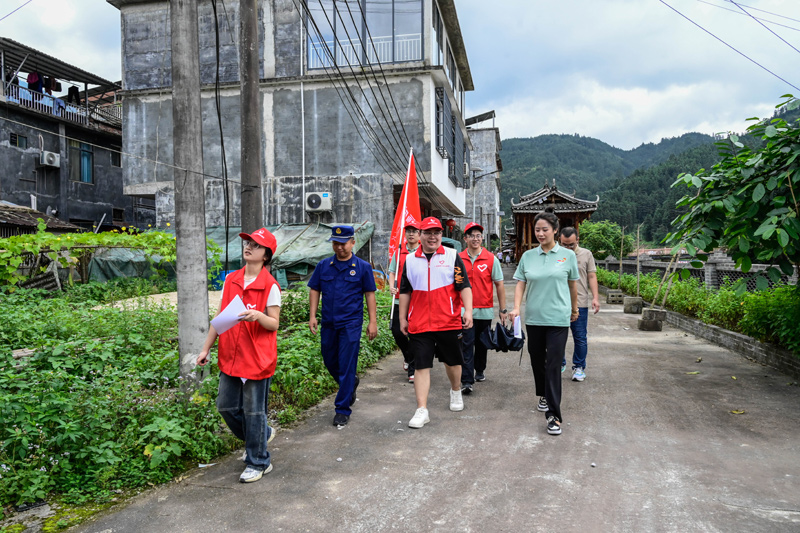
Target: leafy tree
(748, 202)
(603, 239)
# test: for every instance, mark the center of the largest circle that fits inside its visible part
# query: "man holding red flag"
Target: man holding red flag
(395, 267)
(407, 210)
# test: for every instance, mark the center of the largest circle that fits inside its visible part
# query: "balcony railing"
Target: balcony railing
(44, 103)
(406, 48)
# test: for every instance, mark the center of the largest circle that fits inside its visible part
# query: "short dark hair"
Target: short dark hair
(569, 231)
(549, 216)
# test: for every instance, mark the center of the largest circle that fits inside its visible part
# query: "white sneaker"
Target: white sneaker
(456, 400)
(252, 474)
(420, 418)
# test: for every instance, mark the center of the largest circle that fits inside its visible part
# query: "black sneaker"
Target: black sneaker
(553, 427)
(355, 388)
(542, 404)
(480, 377)
(340, 419)
(466, 388)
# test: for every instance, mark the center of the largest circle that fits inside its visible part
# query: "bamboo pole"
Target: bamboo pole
(663, 279)
(638, 247)
(621, 248)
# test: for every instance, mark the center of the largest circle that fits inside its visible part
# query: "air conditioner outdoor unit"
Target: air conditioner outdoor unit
(318, 201)
(49, 159)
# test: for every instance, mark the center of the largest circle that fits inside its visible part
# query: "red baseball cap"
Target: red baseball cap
(262, 237)
(430, 223)
(412, 224)
(472, 225)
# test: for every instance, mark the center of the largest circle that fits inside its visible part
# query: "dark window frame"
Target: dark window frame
(15, 138)
(78, 155)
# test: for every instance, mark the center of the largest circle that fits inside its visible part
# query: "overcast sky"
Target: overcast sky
(623, 71)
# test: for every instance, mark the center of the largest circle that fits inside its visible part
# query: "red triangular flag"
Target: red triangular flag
(407, 209)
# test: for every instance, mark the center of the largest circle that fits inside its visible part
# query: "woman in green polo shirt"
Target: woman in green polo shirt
(547, 276)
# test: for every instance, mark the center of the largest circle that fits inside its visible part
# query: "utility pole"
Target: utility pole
(252, 210)
(190, 217)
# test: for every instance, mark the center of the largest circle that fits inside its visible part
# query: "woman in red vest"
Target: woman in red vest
(247, 353)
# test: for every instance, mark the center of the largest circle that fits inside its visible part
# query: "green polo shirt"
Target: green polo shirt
(547, 300)
(485, 313)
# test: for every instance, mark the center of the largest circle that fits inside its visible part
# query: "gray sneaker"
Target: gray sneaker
(252, 473)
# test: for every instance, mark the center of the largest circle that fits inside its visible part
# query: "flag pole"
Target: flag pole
(402, 231)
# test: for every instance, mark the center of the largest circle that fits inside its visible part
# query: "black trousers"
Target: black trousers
(401, 340)
(546, 347)
(474, 351)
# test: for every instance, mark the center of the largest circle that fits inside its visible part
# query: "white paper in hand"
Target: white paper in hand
(517, 327)
(229, 317)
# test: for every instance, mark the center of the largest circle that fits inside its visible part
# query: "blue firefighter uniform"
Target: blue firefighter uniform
(342, 285)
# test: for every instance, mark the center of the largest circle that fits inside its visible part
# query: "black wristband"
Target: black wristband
(503, 311)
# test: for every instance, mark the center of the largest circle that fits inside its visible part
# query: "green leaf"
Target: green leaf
(774, 274)
(685, 273)
(783, 238)
(697, 264)
(770, 131)
(745, 264)
(744, 245)
(761, 283)
(758, 192)
(734, 138)
(697, 182)
(772, 183)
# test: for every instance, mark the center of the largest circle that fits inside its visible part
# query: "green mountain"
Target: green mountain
(634, 185)
(582, 165)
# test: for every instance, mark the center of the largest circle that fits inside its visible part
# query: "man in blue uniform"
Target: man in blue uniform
(342, 280)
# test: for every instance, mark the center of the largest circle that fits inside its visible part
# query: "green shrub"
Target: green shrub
(98, 407)
(771, 315)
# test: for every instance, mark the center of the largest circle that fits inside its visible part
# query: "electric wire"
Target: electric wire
(386, 159)
(14, 11)
(729, 46)
(431, 198)
(394, 152)
(217, 101)
(765, 11)
(393, 131)
(765, 27)
(757, 18)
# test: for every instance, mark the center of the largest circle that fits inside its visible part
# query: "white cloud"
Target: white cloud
(625, 117)
(624, 71)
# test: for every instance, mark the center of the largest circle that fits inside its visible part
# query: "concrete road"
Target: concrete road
(646, 446)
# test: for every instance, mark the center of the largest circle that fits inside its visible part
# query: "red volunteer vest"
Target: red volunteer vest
(400, 264)
(247, 350)
(435, 303)
(480, 277)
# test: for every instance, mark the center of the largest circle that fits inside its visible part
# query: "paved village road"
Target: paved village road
(668, 453)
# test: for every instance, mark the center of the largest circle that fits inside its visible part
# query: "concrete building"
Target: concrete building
(483, 196)
(346, 89)
(60, 141)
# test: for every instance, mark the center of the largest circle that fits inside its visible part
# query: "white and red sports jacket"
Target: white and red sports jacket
(480, 277)
(435, 302)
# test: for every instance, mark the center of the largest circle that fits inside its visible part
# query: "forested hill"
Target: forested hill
(646, 195)
(579, 164)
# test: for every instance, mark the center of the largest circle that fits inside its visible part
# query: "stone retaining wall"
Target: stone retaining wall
(752, 349)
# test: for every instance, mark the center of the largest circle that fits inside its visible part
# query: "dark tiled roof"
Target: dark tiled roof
(14, 215)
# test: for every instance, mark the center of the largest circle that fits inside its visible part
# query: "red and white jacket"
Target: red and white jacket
(480, 277)
(247, 350)
(435, 303)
